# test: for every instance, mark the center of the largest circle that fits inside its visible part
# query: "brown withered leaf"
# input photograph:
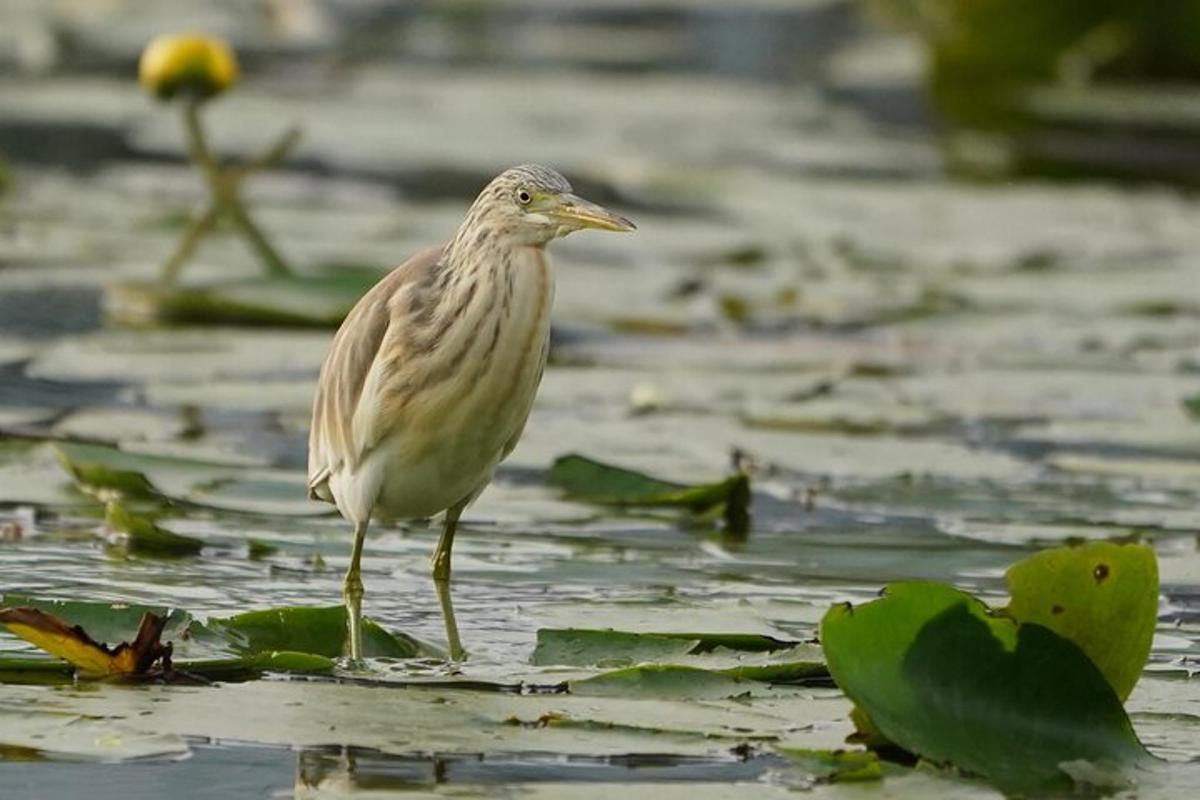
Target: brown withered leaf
(89, 657)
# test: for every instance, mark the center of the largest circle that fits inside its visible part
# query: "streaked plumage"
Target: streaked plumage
(430, 379)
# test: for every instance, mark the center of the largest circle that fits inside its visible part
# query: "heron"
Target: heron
(430, 379)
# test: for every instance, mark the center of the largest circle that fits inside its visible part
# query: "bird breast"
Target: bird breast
(488, 363)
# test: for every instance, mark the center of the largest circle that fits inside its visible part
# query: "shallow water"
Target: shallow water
(932, 378)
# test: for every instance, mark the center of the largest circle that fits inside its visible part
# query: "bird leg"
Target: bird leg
(457, 653)
(352, 592)
(441, 580)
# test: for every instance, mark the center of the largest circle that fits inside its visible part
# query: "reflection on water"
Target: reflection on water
(345, 770)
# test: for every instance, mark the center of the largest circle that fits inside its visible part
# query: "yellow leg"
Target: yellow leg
(352, 592)
(441, 581)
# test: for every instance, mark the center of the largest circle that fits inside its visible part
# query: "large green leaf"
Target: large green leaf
(317, 631)
(1103, 596)
(587, 479)
(943, 677)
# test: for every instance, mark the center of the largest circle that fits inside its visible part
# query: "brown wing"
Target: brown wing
(334, 440)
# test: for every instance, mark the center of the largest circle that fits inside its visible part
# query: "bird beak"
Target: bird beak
(577, 213)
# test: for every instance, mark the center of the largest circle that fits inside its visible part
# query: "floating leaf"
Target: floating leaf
(107, 471)
(1103, 596)
(678, 681)
(75, 646)
(111, 472)
(944, 678)
(102, 478)
(314, 301)
(1191, 404)
(258, 549)
(583, 647)
(316, 631)
(836, 766)
(664, 681)
(144, 537)
(583, 478)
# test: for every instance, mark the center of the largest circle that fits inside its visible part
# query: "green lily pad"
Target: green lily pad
(664, 681)
(1191, 404)
(316, 631)
(586, 479)
(1103, 596)
(943, 677)
(111, 472)
(101, 478)
(144, 537)
(836, 766)
(680, 681)
(311, 301)
(583, 647)
(108, 471)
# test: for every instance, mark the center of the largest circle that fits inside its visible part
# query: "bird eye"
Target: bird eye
(523, 197)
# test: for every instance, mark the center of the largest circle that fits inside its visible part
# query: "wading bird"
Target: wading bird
(429, 380)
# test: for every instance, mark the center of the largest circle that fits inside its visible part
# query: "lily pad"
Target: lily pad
(1191, 404)
(143, 536)
(1103, 596)
(667, 681)
(836, 766)
(586, 479)
(311, 301)
(582, 647)
(943, 677)
(316, 631)
(110, 472)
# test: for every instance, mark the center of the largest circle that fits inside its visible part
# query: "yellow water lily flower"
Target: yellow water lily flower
(195, 64)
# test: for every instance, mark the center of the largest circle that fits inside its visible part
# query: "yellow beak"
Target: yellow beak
(576, 212)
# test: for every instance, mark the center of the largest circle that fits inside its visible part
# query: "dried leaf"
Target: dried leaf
(90, 657)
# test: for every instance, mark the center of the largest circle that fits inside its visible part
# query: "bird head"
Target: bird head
(532, 205)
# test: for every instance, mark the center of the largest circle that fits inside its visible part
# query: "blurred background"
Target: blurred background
(929, 268)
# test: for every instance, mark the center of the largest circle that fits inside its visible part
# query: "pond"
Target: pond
(925, 378)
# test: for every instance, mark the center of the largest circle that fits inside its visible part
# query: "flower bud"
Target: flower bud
(194, 64)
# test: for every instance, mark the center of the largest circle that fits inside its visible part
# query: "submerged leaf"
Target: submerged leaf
(1103, 596)
(75, 646)
(586, 479)
(946, 679)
